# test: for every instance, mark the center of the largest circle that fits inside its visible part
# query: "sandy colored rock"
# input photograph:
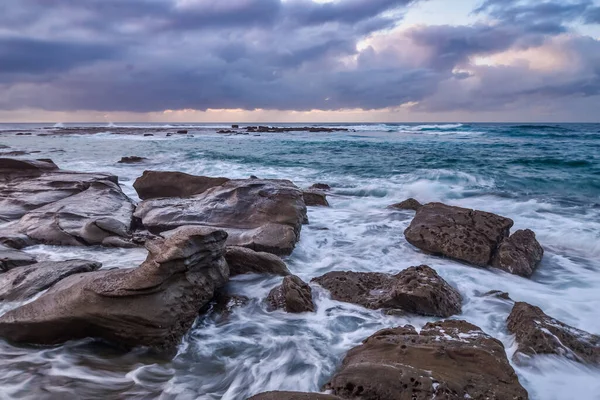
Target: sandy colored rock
(519, 254)
(242, 260)
(293, 296)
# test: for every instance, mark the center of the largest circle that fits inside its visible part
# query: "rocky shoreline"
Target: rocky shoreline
(200, 231)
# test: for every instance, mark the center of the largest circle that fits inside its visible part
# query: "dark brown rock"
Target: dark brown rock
(293, 396)
(418, 290)
(467, 235)
(315, 198)
(519, 254)
(131, 160)
(11, 258)
(320, 186)
(148, 134)
(235, 126)
(182, 132)
(24, 282)
(538, 333)
(153, 305)
(242, 260)
(498, 294)
(261, 214)
(293, 296)
(448, 360)
(159, 184)
(408, 204)
(223, 304)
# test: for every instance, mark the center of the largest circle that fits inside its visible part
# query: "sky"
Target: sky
(299, 60)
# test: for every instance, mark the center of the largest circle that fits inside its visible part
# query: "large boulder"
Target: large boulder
(24, 282)
(293, 296)
(261, 214)
(59, 207)
(519, 254)
(153, 305)
(315, 198)
(293, 396)
(463, 234)
(158, 184)
(537, 333)
(446, 360)
(11, 258)
(418, 290)
(242, 260)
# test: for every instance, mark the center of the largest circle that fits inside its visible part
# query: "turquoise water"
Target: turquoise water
(545, 177)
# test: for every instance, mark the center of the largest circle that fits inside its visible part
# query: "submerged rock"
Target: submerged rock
(223, 304)
(537, 333)
(153, 305)
(24, 282)
(408, 204)
(158, 184)
(293, 396)
(131, 159)
(418, 290)
(11, 258)
(519, 254)
(242, 260)
(446, 360)
(320, 186)
(460, 233)
(261, 214)
(315, 198)
(293, 296)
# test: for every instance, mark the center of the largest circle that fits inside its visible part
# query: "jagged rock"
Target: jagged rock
(131, 160)
(242, 260)
(538, 333)
(293, 396)
(408, 204)
(24, 282)
(315, 198)
(159, 184)
(153, 305)
(11, 258)
(261, 214)
(320, 186)
(460, 233)
(293, 296)
(223, 304)
(519, 254)
(498, 294)
(418, 290)
(448, 360)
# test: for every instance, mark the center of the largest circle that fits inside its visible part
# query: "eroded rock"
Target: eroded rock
(152, 305)
(293, 296)
(519, 254)
(159, 184)
(418, 290)
(242, 260)
(11, 258)
(408, 204)
(315, 198)
(538, 333)
(447, 360)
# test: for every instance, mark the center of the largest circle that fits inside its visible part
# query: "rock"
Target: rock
(148, 134)
(15, 153)
(293, 396)
(158, 184)
(131, 160)
(320, 186)
(153, 305)
(11, 258)
(447, 360)
(242, 261)
(261, 214)
(498, 294)
(235, 126)
(24, 282)
(182, 132)
(408, 204)
(538, 333)
(23, 134)
(466, 235)
(315, 198)
(169, 134)
(293, 296)
(223, 304)
(418, 290)
(519, 254)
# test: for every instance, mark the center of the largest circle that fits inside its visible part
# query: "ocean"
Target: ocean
(546, 177)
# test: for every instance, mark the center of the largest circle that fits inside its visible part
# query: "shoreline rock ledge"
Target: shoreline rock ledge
(265, 215)
(152, 305)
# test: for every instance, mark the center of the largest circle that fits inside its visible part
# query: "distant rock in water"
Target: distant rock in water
(446, 360)
(25, 282)
(293, 296)
(408, 204)
(519, 254)
(418, 290)
(131, 160)
(242, 260)
(261, 214)
(315, 198)
(182, 132)
(153, 305)
(320, 186)
(293, 396)
(11, 258)
(537, 333)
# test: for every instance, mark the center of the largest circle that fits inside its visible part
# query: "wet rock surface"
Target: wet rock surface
(151, 305)
(261, 214)
(408, 204)
(24, 282)
(293, 296)
(418, 290)
(519, 254)
(11, 258)
(320, 186)
(242, 260)
(446, 360)
(315, 198)
(132, 159)
(463, 234)
(158, 184)
(538, 333)
(293, 396)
